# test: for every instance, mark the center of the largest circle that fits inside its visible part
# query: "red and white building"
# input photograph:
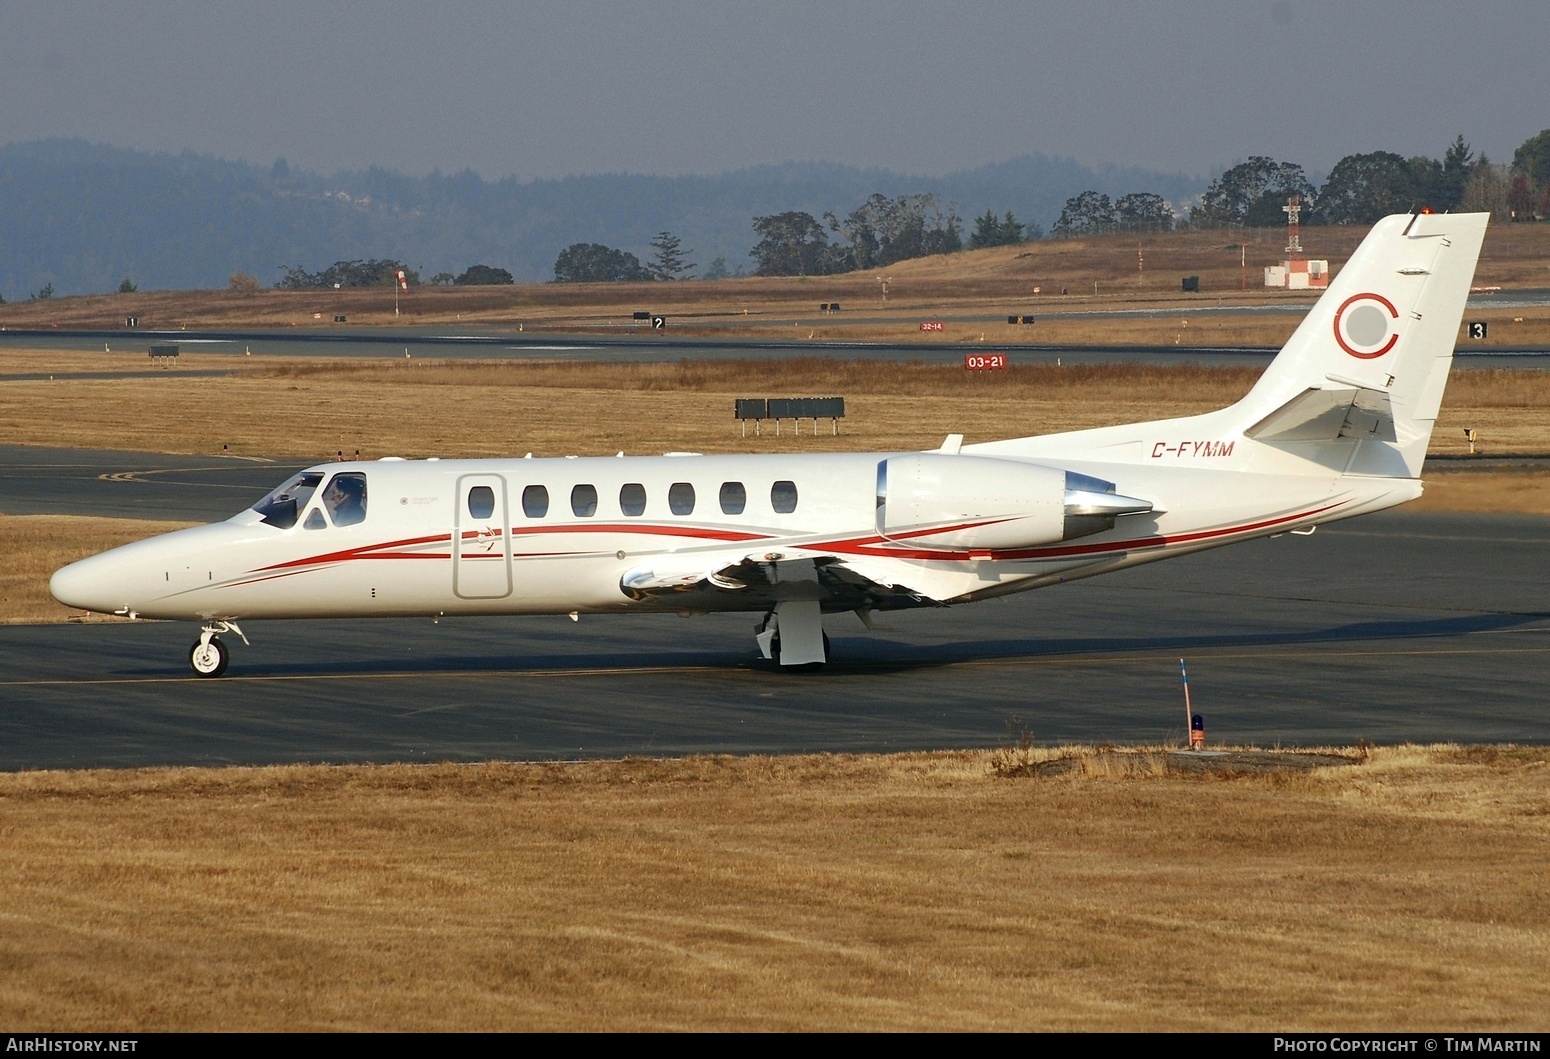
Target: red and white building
(1298, 274)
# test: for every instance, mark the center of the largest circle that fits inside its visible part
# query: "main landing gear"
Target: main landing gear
(209, 657)
(792, 634)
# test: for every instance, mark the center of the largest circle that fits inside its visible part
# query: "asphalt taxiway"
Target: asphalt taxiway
(625, 345)
(617, 346)
(1394, 627)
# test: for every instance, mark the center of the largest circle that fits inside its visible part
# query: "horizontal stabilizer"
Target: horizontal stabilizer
(1327, 415)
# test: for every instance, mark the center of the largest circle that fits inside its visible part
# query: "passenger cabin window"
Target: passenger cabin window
(535, 501)
(680, 498)
(783, 497)
(583, 501)
(733, 498)
(481, 501)
(281, 507)
(345, 498)
(632, 499)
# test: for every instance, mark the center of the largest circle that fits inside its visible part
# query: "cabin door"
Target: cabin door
(481, 539)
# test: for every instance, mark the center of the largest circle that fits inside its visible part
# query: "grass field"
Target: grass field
(283, 406)
(906, 892)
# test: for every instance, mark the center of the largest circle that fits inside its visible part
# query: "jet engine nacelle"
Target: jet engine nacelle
(980, 502)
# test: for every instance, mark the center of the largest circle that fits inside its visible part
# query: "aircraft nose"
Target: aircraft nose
(85, 586)
(138, 577)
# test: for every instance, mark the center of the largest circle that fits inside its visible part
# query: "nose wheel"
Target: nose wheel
(209, 657)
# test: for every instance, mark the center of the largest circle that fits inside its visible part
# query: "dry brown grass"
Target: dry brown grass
(309, 409)
(1089, 383)
(34, 546)
(1485, 492)
(917, 891)
(282, 407)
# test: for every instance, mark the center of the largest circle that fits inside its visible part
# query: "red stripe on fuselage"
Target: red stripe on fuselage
(882, 547)
(378, 551)
(369, 551)
(647, 529)
(869, 545)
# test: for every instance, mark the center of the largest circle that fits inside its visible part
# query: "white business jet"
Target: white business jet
(1337, 426)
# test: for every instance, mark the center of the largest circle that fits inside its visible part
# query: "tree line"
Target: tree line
(597, 263)
(880, 231)
(1360, 189)
(79, 216)
(371, 272)
(876, 233)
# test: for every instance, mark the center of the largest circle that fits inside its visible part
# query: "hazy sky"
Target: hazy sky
(539, 89)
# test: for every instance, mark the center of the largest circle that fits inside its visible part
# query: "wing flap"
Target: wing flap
(840, 582)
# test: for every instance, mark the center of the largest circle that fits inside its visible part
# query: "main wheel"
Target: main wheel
(775, 652)
(209, 660)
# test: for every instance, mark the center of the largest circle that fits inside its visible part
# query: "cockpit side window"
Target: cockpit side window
(281, 507)
(345, 498)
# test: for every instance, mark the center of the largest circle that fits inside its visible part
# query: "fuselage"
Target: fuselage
(530, 536)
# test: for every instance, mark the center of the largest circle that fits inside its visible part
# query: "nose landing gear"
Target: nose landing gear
(209, 657)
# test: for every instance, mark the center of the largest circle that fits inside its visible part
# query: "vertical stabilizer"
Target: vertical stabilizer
(1370, 360)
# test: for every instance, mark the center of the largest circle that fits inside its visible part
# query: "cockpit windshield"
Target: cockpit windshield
(281, 507)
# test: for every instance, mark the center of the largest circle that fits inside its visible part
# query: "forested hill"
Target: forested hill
(83, 217)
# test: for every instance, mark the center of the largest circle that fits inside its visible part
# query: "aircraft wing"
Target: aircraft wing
(840, 582)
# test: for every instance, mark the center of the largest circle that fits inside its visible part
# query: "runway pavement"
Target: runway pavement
(622, 346)
(1395, 627)
(645, 347)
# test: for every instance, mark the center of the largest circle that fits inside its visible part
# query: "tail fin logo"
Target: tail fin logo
(1364, 326)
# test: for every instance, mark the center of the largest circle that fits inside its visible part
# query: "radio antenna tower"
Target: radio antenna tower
(1293, 210)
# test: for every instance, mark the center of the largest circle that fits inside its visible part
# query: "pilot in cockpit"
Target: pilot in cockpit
(346, 499)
